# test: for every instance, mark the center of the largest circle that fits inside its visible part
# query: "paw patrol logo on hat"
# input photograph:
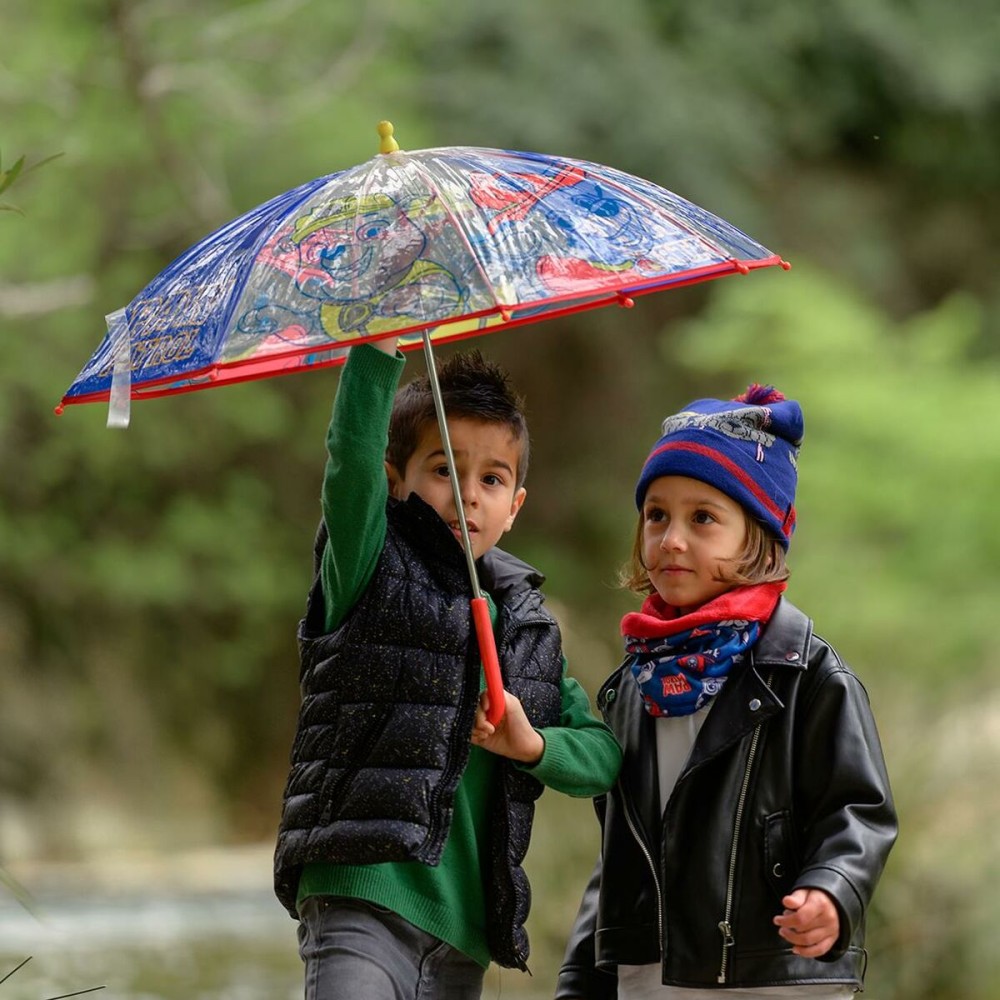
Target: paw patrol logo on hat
(745, 424)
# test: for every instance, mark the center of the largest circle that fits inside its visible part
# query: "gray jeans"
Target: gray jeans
(353, 950)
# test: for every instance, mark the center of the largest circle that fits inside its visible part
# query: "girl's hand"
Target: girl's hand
(512, 737)
(810, 923)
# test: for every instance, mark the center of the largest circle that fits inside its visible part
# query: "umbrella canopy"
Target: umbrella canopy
(427, 246)
(456, 241)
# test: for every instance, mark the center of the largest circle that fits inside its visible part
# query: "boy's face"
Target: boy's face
(690, 531)
(486, 457)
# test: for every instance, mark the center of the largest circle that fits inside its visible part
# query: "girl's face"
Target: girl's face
(689, 532)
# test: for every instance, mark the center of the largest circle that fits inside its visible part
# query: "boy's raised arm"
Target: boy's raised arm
(354, 482)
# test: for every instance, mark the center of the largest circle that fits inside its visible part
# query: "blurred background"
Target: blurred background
(151, 580)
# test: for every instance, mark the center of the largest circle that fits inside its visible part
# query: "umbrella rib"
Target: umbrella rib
(460, 229)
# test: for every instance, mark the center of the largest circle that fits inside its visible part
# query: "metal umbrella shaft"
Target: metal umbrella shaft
(478, 604)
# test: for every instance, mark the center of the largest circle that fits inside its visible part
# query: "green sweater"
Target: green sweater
(581, 755)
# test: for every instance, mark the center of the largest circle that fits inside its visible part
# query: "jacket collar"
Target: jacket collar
(784, 641)
(748, 699)
(503, 575)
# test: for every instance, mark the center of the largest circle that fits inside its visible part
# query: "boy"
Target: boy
(407, 815)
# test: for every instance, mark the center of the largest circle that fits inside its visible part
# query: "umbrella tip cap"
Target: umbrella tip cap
(387, 144)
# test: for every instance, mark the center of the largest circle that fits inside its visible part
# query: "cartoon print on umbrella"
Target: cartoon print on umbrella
(357, 266)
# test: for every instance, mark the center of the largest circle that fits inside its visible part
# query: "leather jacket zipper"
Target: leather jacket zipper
(725, 925)
(633, 826)
(647, 854)
(503, 642)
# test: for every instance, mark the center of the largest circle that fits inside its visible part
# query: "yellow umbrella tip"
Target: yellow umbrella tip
(387, 144)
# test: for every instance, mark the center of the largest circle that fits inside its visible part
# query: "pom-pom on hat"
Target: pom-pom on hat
(746, 447)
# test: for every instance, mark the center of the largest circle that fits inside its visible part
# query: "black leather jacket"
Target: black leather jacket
(785, 787)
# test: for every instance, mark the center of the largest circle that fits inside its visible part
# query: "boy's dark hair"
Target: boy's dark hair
(762, 560)
(471, 387)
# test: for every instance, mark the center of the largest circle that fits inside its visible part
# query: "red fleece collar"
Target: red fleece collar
(657, 618)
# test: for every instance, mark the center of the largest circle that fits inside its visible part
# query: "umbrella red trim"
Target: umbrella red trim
(275, 364)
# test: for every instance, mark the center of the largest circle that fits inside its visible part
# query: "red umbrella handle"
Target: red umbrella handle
(491, 665)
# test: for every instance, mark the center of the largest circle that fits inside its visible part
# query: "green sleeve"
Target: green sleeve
(581, 756)
(354, 482)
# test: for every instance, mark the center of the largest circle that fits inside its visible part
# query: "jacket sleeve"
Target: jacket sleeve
(848, 817)
(579, 979)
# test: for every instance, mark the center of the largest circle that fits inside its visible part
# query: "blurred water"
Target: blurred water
(204, 925)
(238, 945)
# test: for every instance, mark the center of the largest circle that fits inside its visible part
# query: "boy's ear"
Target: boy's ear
(395, 481)
(515, 505)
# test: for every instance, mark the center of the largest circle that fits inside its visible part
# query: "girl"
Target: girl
(752, 817)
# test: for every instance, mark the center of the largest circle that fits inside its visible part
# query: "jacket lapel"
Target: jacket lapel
(747, 700)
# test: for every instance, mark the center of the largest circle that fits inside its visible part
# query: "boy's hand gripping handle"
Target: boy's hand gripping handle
(491, 664)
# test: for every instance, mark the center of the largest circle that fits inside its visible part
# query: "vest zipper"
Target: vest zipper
(725, 925)
(503, 642)
(435, 821)
(331, 793)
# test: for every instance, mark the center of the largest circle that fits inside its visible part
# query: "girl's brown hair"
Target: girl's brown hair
(762, 560)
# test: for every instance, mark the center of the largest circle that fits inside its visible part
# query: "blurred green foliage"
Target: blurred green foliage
(150, 581)
(9, 175)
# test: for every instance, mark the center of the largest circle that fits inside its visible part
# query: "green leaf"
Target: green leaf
(41, 163)
(7, 177)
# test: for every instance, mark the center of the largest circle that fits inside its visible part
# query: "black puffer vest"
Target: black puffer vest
(388, 701)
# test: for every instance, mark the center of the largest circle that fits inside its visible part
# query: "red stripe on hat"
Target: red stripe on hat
(731, 467)
(788, 525)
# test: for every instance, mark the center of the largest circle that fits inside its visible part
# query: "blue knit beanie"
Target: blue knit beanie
(745, 447)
